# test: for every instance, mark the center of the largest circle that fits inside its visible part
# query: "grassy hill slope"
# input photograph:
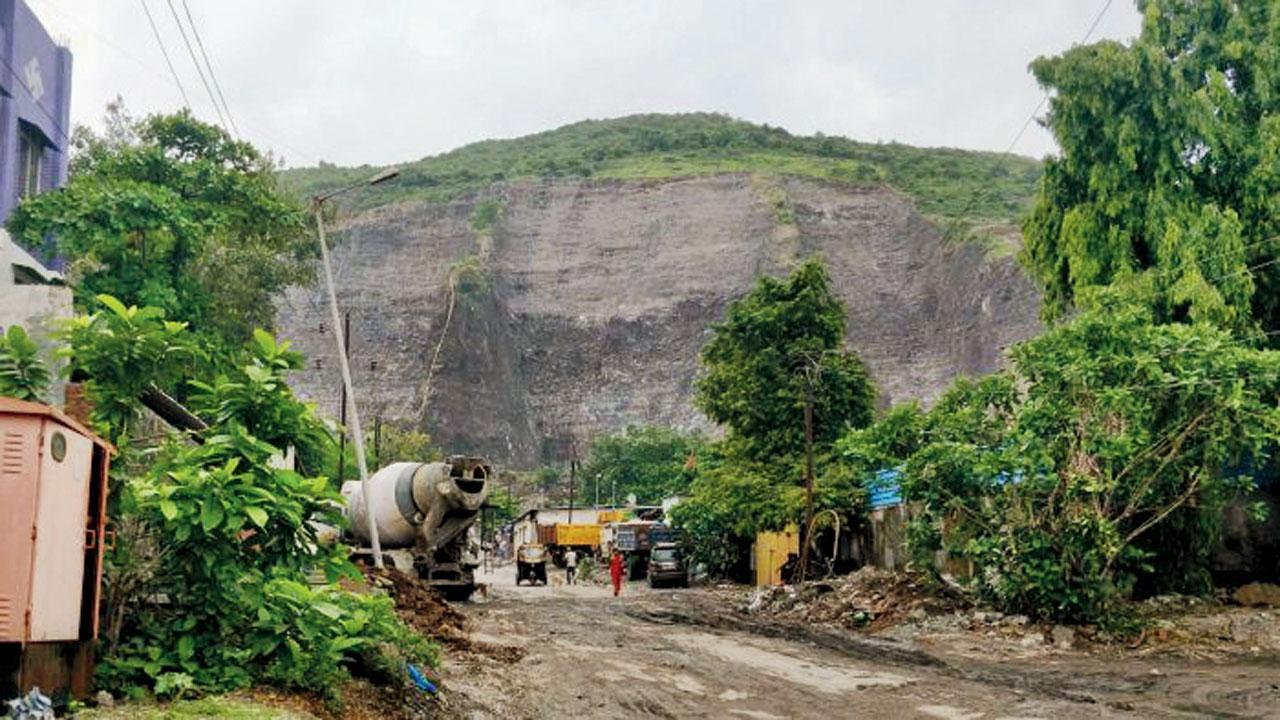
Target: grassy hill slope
(947, 184)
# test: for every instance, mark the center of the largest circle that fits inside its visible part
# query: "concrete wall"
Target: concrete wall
(37, 308)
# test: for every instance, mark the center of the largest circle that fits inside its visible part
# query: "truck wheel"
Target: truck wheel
(459, 593)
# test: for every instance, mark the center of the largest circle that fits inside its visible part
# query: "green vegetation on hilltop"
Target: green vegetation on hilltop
(944, 182)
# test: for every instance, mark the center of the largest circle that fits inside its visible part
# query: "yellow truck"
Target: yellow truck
(560, 537)
(578, 535)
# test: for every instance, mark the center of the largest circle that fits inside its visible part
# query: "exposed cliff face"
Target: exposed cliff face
(601, 293)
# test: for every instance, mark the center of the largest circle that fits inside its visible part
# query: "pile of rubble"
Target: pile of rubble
(423, 609)
(871, 598)
(899, 606)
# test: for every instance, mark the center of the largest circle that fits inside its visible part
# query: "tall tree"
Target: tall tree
(758, 369)
(652, 462)
(173, 213)
(1170, 165)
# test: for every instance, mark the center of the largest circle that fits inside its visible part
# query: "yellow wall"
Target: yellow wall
(771, 550)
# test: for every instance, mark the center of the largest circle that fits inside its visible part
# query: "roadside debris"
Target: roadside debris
(871, 598)
(35, 705)
(425, 610)
(898, 607)
(1253, 594)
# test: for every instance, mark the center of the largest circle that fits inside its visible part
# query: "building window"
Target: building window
(30, 161)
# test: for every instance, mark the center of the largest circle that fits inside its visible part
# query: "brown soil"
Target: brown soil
(426, 611)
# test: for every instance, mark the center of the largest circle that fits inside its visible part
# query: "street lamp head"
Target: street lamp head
(383, 176)
(390, 173)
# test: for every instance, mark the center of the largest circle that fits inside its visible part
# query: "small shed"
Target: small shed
(53, 481)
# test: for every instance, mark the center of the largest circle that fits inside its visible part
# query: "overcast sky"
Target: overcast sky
(389, 81)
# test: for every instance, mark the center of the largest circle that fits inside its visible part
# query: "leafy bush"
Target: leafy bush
(22, 372)
(256, 393)
(120, 352)
(239, 539)
(1096, 463)
(470, 277)
(209, 589)
(485, 215)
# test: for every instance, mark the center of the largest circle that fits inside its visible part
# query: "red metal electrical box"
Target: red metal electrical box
(53, 486)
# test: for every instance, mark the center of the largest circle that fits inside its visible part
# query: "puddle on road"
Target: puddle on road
(757, 714)
(829, 679)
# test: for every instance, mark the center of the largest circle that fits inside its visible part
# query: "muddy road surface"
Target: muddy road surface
(688, 654)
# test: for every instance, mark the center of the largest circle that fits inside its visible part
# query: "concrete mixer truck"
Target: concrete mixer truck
(426, 518)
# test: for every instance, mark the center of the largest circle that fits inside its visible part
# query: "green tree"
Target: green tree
(779, 343)
(1098, 462)
(755, 369)
(173, 213)
(22, 372)
(652, 462)
(1169, 165)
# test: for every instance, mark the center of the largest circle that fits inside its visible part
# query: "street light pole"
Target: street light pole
(339, 336)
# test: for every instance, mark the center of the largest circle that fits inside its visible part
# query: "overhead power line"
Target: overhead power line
(36, 100)
(93, 34)
(199, 71)
(209, 66)
(1031, 118)
(160, 41)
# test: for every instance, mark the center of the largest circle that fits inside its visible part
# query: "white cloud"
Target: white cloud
(381, 82)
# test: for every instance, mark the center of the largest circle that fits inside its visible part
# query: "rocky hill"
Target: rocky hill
(565, 307)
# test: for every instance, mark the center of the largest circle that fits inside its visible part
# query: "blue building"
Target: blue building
(35, 107)
(35, 103)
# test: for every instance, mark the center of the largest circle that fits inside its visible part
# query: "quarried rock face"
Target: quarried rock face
(596, 296)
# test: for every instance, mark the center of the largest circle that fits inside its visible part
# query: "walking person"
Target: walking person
(615, 572)
(570, 565)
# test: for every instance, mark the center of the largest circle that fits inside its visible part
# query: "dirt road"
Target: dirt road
(685, 653)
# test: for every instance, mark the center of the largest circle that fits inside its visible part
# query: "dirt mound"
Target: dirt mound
(426, 611)
(870, 599)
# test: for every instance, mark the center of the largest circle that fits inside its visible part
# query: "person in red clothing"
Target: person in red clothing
(615, 572)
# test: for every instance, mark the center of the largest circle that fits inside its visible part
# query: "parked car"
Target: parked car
(667, 566)
(531, 564)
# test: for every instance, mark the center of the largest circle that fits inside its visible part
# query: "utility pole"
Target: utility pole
(805, 540)
(339, 337)
(342, 439)
(597, 491)
(573, 472)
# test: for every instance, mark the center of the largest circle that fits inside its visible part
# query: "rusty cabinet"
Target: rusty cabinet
(53, 487)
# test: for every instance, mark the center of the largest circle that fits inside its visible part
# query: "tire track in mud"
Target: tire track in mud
(1249, 689)
(885, 651)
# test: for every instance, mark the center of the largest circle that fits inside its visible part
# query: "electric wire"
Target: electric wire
(199, 71)
(209, 66)
(93, 34)
(186, 102)
(57, 125)
(1045, 98)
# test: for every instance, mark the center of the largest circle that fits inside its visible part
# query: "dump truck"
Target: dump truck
(561, 537)
(635, 539)
(426, 516)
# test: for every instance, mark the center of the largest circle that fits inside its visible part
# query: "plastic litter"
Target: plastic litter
(415, 674)
(35, 705)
